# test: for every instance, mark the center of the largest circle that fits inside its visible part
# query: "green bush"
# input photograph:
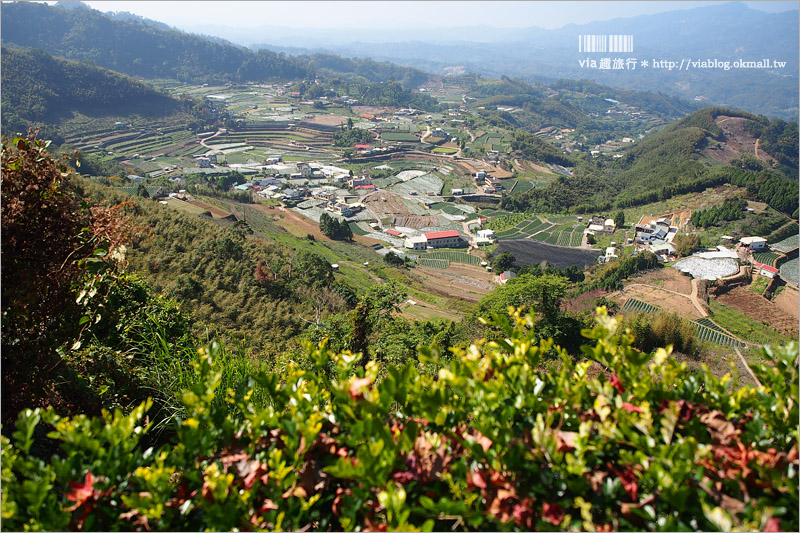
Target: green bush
(493, 441)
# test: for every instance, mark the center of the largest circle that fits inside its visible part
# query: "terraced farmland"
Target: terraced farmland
(789, 243)
(399, 137)
(435, 263)
(766, 258)
(713, 334)
(357, 230)
(789, 270)
(454, 257)
(637, 306)
(570, 235)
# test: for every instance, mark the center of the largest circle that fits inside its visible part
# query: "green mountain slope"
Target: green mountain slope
(137, 48)
(39, 87)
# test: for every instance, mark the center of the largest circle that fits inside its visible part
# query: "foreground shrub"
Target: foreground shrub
(492, 443)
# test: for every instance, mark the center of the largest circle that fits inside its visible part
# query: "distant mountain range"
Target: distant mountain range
(724, 32)
(139, 47)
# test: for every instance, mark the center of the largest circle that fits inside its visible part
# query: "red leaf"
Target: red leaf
(616, 383)
(269, 505)
(566, 440)
(628, 478)
(773, 524)
(552, 513)
(631, 408)
(81, 492)
(476, 479)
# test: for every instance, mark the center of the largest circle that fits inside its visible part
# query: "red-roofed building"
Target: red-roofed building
(766, 270)
(445, 239)
(394, 232)
(507, 275)
(368, 116)
(362, 147)
(366, 187)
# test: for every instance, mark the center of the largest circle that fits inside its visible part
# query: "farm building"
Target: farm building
(394, 232)
(135, 179)
(445, 239)
(486, 233)
(355, 182)
(305, 170)
(418, 242)
(204, 162)
(292, 194)
(662, 247)
(507, 275)
(754, 244)
(362, 147)
(767, 271)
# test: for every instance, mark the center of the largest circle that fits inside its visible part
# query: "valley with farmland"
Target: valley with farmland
(365, 296)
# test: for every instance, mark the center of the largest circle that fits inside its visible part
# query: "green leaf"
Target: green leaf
(26, 424)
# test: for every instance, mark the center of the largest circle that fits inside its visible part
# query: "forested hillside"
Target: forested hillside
(38, 87)
(672, 161)
(136, 48)
(139, 47)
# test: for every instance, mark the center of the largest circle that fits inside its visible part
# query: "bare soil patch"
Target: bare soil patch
(737, 140)
(668, 301)
(385, 204)
(788, 302)
(762, 310)
(415, 221)
(667, 278)
(327, 120)
(463, 282)
(373, 110)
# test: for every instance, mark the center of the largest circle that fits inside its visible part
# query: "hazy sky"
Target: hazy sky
(401, 14)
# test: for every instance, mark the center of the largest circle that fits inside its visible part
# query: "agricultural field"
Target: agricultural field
(668, 301)
(789, 270)
(454, 257)
(762, 315)
(637, 306)
(564, 235)
(529, 252)
(432, 262)
(789, 243)
(745, 327)
(444, 150)
(766, 258)
(708, 331)
(399, 137)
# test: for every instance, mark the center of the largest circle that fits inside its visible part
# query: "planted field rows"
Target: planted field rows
(709, 334)
(637, 306)
(454, 257)
(435, 263)
(357, 230)
(561, 236)
(789, 243)
(400, 137)
(766, 258)
(707, 330)
(789, 270)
